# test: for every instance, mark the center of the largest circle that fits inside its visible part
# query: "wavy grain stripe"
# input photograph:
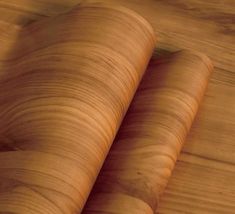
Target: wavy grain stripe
(145, 150)
(65, 88)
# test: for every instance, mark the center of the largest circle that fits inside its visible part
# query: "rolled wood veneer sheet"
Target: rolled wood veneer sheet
(65, 87)
(145, 150)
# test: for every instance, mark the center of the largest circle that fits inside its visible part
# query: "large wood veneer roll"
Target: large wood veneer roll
(66, 84)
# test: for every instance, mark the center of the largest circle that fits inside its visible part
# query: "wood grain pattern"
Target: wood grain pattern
(207, 27)
(207, 159)
(65, 88)
(143, 155)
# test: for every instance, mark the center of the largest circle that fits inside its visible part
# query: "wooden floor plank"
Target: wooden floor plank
(199, 185)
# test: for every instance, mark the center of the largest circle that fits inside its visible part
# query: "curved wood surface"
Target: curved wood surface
(203, 180)
(66, 84)
(145, 150)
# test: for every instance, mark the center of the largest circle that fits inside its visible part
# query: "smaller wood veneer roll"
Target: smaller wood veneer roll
(143, 155)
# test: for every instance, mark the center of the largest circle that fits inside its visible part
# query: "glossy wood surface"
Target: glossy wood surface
(203, 179)
(65, 87)
(151, 136)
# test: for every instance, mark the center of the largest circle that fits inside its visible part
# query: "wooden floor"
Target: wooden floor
(203, 180)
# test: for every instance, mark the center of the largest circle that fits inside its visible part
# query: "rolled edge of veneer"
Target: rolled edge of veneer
(66, 87)
(151, 136)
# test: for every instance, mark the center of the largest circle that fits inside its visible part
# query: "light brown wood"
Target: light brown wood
(151, 136)
(203, 179)
(66, 84)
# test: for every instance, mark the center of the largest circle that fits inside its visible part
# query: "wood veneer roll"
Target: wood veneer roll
(145, 150)
(65, 87)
